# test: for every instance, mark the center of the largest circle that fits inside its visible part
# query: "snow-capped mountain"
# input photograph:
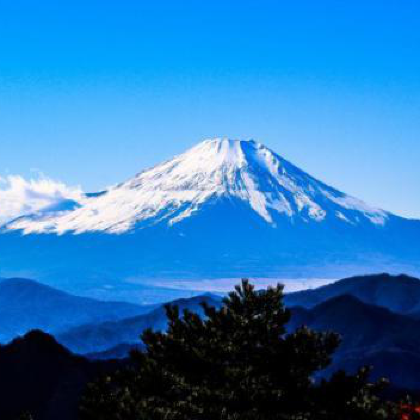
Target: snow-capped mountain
(215, 169)
(223, 209)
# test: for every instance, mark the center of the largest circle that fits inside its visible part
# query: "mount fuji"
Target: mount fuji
(223, 209)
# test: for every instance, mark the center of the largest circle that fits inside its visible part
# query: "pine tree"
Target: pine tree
(236, 363)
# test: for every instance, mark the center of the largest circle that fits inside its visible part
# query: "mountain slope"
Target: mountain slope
(361, 325)
(175, 190)
(223, 209)
(26, 305)
(371, 335)
(399, 294)
(93, 338)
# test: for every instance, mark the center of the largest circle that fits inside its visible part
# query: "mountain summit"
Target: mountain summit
(215, 169)
(223, 209)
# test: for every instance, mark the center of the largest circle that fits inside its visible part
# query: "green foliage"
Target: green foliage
(238, 363)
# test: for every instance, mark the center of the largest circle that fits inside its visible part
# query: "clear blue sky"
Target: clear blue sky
(93, 91)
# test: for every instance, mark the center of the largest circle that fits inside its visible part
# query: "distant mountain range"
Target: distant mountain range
(371, 335)
(107, 336)
(400, 294)
(223, 209)
(27, 305)
(375, 315)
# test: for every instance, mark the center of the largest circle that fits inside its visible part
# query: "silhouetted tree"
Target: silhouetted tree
(237, 363)
(25, 416)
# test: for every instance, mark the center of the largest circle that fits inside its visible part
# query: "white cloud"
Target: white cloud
(19, 196)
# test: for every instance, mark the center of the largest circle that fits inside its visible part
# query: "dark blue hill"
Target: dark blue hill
(26, 305)
(93, 338)
(400, 294)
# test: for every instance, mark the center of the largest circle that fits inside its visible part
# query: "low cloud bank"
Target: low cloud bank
(20, 196)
